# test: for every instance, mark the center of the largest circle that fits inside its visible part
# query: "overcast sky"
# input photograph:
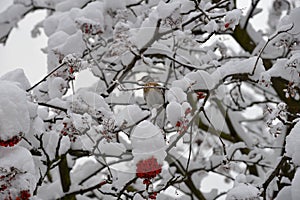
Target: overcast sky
(23, 51)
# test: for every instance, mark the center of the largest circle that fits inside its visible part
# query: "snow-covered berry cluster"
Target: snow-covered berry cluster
(276, 117)
(10, 142)
(284, 40)
(74, 64)
(170, 14)
(7, 176)
(173, 20)
(91, 31)
(148, 169)
(182, 124)
(232, 19)
(265, 80)
(69, 130)
(148, 152)
(294, 61)
(71, 63)
(201, 95)
(24, 195)
(292, 90)
(106, 129)
(90, 28)
(121, 42)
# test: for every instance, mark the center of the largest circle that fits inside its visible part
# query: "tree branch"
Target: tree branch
(273, 175)
(64, 172)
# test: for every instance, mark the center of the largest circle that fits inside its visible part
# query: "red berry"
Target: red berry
(25, 195)
(71, 70)
(227, 25)
(3, 187)
(102, 183)
(178, 124)
(153, 195)
(200, 95)
(147, 182)
(188, 111)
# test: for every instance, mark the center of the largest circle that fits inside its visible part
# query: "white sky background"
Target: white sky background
(23, 51)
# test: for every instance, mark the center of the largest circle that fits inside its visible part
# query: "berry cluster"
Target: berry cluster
(292, 90)
(108, 129)
(265, 80)
(276, 117)
(201, 95)
(72, 64)
(174, 20)
(153, 195)
(91, 29)
(182, 125)
(7, 176)
(10, 142)
(69, 130)
(24, 195)
(148, 169)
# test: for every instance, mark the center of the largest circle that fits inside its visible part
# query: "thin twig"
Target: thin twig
(250, 13)
(53, 106)
(82, 191)
(122, 88)
(45, 78)
(273, 175)
(269, 40)
(190, 150)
